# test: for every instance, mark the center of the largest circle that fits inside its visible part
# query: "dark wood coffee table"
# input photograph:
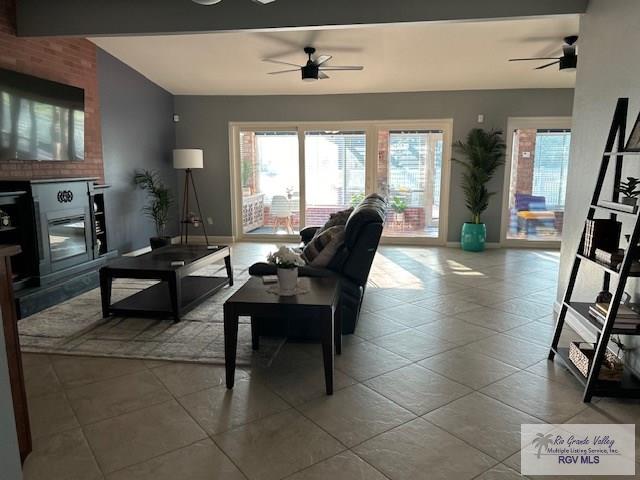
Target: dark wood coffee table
(177, 292)
(253, 300)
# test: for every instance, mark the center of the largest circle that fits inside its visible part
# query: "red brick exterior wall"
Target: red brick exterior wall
(66, 60)
(524, 174)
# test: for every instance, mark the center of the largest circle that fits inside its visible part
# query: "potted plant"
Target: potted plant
(287, 262)
(399, 205)
(484, 152)
(157, 209)
(630, 191)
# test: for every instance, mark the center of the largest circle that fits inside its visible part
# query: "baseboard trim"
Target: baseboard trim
(577, 324)
(486, 245)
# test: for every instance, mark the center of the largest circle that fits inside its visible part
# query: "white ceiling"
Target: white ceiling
(396, 58)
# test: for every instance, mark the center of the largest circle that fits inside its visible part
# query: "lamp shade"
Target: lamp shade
(187, 158)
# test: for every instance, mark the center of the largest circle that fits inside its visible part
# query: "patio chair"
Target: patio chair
(281, 213)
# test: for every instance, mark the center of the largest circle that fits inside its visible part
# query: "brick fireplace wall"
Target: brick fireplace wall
(66, 60)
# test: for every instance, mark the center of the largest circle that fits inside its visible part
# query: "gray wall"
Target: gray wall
(604, 73)
(137, 133)
(204, 124)
(9, 453)
(96, 17)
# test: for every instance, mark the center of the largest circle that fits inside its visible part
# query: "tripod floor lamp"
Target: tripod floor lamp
(188, 159)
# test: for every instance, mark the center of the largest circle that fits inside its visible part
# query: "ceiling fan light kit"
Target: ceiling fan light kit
(568, 62)
(314, 68)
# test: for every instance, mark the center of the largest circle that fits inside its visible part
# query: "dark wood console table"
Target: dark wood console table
(178, 291)
(14, 356)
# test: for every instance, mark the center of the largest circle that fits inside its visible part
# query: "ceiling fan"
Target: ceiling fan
(567, 62)
(213, 2)
(314, 68)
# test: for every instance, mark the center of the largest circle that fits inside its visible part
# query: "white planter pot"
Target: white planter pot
(288, 281)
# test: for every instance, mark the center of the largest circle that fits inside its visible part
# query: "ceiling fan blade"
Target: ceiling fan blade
(263, 2)
(271, 60)
(322, 76)
(323, 59)
(284, 71)
(532, 58)
(342, 67)
(547, 65)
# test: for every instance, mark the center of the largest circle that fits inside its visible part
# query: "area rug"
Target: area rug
(76, 327)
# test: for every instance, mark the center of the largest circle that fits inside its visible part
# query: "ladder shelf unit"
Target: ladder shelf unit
(629, 387)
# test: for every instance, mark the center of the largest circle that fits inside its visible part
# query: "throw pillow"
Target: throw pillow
(321, 249)
(335, 219)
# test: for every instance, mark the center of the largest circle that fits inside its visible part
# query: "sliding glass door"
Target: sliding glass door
(536, 179)
(269, 182)
(335, 163)
(287, 177)
(409, 174)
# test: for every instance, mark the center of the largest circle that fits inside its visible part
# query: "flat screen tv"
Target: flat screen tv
(40, 119)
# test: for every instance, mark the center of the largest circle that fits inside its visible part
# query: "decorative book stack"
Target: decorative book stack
(611, 259)
(602, 233)
(626, 318)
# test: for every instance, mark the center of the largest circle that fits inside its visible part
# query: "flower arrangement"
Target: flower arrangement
(285, 257)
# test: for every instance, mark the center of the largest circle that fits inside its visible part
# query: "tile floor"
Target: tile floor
(448, 360)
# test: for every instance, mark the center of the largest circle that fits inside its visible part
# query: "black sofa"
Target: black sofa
(351, 264)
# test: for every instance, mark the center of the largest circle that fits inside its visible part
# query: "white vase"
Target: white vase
(288, 281)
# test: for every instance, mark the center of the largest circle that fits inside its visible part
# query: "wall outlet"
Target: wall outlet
(210, 220)
(481, 118)
(176, 118)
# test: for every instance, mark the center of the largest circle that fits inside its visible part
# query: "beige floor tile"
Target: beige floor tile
(40, 379)
(112, 397)
(63, 456)
(419, 449)
(483, 297)
(30, 359)
(451, 304)
(184, 378)
(410, 315)
(547, 400)
(49, 414)
(491, 318)
(612, 410)
(490, 426)
(374, 302)
(298, 383)
(277, 446)
(539, 332)
(200, 461)
(456, 331)
(556, 371)
(515, 352)
(344, 466)
(408, 293)
(372, 325)
(366, 360)
(355, 414)
(74, 371)
(141, 435)
(470, 368)
(417, 389)
(500, 472)
(525, 308)
(219, 409)
(413, 345)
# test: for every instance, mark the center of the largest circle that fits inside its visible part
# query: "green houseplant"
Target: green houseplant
(484, 152)
(630, 191)
(399, 205)
(158, 206)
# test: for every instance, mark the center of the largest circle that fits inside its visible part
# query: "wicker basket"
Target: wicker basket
(581, 355)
